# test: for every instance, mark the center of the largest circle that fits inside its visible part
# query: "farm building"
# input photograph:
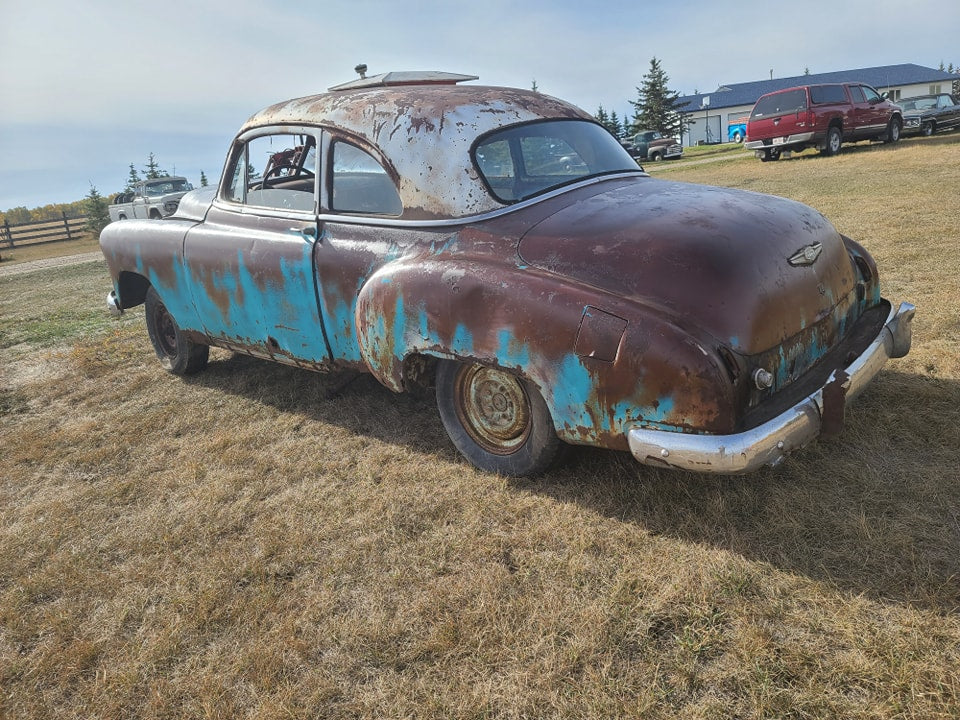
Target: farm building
(707, 117)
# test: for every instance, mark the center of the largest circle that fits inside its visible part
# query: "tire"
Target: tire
(656, 157)
(737, 137)
(498, 421)
(893, 131)
(155, 215)
(831, 145)
(928, 128)
(122, 217)
(770, 156)
(176, 353)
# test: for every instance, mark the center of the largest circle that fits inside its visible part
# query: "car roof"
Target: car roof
(423, 133)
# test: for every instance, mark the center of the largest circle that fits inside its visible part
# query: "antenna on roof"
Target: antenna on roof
(361, 70)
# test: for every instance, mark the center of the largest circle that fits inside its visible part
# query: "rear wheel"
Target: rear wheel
(737, 137)
(770, 155)
(155, 215)
(833, 142)
(893, 131)
(498, 421)
(176, 353)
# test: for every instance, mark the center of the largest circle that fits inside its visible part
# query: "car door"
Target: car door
(948, 111)
(249, 265)
(875, 115)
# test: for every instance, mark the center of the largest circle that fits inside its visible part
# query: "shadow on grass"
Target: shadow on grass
(875, 511)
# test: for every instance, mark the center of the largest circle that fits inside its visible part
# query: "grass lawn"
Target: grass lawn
(257, 542)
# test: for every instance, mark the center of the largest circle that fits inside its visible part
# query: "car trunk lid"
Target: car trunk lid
(750, 270)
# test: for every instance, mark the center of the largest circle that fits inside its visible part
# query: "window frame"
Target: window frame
(240, 148)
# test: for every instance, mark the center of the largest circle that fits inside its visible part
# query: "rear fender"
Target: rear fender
(597, 372)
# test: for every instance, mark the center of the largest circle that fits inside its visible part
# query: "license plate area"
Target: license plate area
(779, 140)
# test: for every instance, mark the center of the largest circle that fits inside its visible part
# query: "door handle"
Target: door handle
(310, 231)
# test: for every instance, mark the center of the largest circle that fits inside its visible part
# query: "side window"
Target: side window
(871, 94)
(856, 94)
(275, 171)
(823, 94)
(360, 184)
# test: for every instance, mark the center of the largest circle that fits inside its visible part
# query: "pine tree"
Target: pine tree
(534, 86)
(152, 169)
(615, 126)
(98, 217)
(133, 178)
(656, 107)
(602, 116)
(203, 179)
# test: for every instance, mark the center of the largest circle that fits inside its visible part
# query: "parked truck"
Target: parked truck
(150, 199)
(652, 145)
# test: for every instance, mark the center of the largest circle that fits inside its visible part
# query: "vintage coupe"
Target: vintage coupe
(502, 246)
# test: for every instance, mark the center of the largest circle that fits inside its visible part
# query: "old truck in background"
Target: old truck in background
(150, 199)
(652, 145)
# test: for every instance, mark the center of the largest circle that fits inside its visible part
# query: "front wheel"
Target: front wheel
(176, 353)
(737, 137)
(656, 157)
(927, 128)
(498, 421)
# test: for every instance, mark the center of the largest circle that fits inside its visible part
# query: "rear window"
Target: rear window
(780, 103)
(521, 161)
(827, 94)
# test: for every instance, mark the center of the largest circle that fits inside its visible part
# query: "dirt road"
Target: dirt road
(46, 263)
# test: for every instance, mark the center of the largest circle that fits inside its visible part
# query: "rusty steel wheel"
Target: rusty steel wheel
(176, 353)
(498, 421)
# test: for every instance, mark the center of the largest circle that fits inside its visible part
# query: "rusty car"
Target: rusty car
(502, 248)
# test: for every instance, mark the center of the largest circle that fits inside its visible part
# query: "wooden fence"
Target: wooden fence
(36, 233)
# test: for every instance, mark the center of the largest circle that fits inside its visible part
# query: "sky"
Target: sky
(88, 88)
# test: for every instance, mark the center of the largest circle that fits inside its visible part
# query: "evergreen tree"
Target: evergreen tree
(152, 169)
(615, 126)
(98, 217)
(534, 86)
(133, 178)
(602, 116)
(203, 179)
(656, 107)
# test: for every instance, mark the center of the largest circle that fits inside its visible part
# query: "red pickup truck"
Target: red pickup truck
(820, 116)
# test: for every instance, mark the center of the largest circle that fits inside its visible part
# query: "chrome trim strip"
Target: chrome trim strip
(771, 442)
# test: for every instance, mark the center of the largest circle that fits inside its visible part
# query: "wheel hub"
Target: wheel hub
(493, 407)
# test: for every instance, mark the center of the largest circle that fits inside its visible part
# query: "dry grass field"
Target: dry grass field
(256, 542)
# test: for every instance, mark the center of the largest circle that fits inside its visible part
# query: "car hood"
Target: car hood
(709, 258)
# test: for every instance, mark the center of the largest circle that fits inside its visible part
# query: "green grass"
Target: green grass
(247, 543)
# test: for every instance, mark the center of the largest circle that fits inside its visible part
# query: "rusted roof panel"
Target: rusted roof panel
(424, 133)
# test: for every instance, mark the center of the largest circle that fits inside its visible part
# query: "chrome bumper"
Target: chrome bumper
(771, 442)
(788, 141)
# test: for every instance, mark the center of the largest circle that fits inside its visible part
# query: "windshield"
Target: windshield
(526, 160)
(162, 187)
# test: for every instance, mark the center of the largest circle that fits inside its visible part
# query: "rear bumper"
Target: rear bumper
(789, 142)
(771, 442)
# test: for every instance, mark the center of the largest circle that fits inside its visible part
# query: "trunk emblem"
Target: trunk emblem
(806, 255)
